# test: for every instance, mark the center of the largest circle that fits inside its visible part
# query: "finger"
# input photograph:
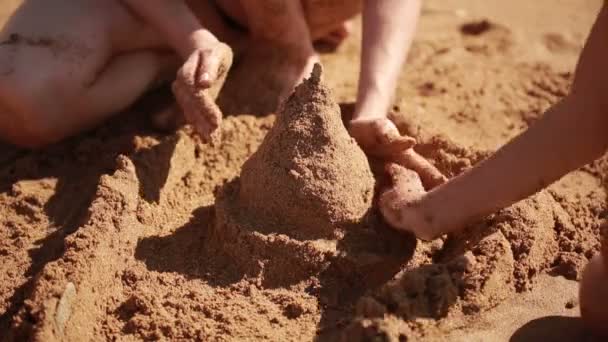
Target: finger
(431, 177)
(400, 144)
(200, 110)
(188, 72)
(391, 140)
(222, 70)
(404, 179)
(207, 70)
(214, 66)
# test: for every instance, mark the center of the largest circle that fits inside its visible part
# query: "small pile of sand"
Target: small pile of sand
(309, 176)
(304, 199)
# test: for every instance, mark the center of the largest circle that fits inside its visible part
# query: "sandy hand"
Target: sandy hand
(197, 84)
(379, 137)
(398, 203)
(430, 175)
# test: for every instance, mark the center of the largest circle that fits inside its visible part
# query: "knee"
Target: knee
(33, 113)
(25, 129)
(24, 137)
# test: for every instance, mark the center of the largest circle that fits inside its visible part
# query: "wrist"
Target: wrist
(371, 108)
(372, 102)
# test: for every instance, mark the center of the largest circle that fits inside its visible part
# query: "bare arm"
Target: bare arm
(388, 30)
(571, 134)
(175, 21)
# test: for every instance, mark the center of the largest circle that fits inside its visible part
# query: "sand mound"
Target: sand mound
(303, 201)
(309, 176)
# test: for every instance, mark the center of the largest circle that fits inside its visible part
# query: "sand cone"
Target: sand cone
(301, 202)
(309, 177)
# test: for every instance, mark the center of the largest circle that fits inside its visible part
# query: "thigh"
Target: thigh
(323, 16)
(122, 82)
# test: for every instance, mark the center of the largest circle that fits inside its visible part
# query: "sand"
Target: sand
(114, 234)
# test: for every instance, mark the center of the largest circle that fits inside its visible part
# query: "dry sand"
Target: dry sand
(110, 235)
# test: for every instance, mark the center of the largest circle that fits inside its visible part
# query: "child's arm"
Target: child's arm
(388, 30)
(175, 21)
(204, 55)
(571, 134)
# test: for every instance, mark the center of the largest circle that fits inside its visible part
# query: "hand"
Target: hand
(197, 84)
(399, 203)
(206, 66)
(379, 137)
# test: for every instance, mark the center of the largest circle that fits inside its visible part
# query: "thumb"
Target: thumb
(392, 140)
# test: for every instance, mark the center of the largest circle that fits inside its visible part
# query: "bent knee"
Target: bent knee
(25, 128)
(32, 113)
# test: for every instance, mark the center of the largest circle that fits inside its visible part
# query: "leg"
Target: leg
(282, 24)
(330, 17)
(47, 120)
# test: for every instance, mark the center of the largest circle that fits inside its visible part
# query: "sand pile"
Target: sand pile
(488, 263)
(308, 177)
(304, 199)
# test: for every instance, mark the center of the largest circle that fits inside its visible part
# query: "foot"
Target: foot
(197, 85)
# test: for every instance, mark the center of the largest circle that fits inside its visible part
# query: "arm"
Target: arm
(571, 134)
(175, 21)
(388, 30)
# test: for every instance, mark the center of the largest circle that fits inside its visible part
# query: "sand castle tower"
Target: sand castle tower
(308, 185)
(308, 177)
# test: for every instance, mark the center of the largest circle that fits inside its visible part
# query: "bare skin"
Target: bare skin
(571, 134)
(383, 54)
(57, 80)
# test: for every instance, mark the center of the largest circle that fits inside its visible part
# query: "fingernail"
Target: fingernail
(205, 77)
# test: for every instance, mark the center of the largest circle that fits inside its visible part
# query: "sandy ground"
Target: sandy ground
(107, 236)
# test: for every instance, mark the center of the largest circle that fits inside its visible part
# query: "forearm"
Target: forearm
(388, 30)
(174, 21)
(560, 142)
(570, 134)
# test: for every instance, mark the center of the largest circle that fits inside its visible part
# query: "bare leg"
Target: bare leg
(118, 86)
(282, 23)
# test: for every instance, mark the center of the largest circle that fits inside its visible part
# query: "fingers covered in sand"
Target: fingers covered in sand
(399, 202)
(197, 84)
(430, 175)
(379, 137)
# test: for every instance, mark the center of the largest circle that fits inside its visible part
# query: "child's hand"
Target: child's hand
(206, 66)
(379, 137)
(197, 84)
(399, 203)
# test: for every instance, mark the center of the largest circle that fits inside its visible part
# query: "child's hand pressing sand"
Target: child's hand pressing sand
(569, 135)
(380, 138)
(405, 191)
